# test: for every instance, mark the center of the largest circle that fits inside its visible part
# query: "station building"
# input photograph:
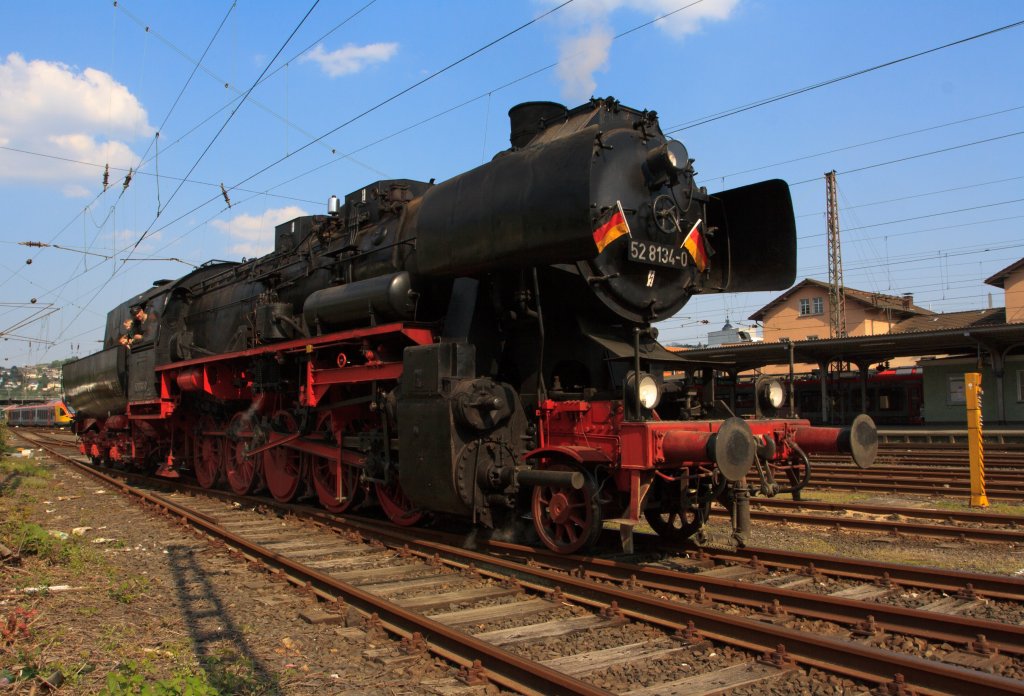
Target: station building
(906, 364)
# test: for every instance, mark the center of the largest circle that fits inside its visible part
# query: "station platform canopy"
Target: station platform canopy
(996, 339)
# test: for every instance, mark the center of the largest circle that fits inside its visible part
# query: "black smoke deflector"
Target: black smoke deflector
(754, 244)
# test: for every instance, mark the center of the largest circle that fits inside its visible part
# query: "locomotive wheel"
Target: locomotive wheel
(209, 454)
(675, 519)
(567, 520)
(326, 472)
(282, 468)
(240, 469)
(678, 525)
(396, 504)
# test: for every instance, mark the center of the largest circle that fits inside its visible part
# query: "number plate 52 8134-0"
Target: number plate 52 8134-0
(657, 254)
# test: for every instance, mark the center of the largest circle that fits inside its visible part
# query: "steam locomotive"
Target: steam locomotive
(480, 348)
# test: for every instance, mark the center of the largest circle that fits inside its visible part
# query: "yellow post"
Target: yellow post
(973, 392)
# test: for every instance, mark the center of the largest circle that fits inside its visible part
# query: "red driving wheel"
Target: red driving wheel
(337, 484)
(208, 460)
(282, 467)
(396, 504)
(567, 520)
(241, 469)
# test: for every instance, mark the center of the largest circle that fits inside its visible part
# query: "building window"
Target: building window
(955, 390)
(815, 305)
(812, 337)
(1020, 386)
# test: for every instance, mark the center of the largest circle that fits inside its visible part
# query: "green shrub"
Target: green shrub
(31, 539)
(131, 678)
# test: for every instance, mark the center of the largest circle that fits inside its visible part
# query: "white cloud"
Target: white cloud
(350, 58)
(579, 58)
(51, 108)
(254, 234)
(585, 54)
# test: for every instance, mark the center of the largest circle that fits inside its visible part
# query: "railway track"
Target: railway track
(1000, 485)
(1008, 477)
(409, 581)
(996, 460)
(837, 517)
(997, 455)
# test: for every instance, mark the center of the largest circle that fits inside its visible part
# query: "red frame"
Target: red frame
(596, 432)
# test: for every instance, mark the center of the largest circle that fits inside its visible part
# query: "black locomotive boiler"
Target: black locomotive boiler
(480, 348)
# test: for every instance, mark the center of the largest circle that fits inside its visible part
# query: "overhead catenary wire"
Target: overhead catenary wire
(917, 195)
(334, 130)
(477, 98)
(135, 246)
(908, 158)
(228, 120)
(188, 81)
(918, 217)
(901, 261)
(876, 141)
(197, 64)
(371, 109)
(349, 154)
(227, 83)
(818, 85)
(136, 172)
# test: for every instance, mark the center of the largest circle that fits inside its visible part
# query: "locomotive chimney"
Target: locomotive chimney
(530, 118)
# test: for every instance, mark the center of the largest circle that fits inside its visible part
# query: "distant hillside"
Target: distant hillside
(31, 382)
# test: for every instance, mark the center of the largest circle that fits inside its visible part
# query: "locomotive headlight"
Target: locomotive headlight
(648, 391)
(650, 394)
(664, 163)
(677, 152)
(770, 395)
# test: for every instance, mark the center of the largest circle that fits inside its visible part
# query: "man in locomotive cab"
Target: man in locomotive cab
(125, 339)
(133, 326)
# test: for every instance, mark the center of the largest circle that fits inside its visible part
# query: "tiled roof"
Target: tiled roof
(999, 278)
(900, 304)
(952, 320)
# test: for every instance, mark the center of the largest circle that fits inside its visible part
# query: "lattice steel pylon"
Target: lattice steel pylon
(836, 291)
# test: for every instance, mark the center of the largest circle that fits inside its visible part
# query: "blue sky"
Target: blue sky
(86, 81)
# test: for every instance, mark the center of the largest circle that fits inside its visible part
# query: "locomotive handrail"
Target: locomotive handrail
(419, 335)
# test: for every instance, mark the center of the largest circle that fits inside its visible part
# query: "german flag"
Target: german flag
(615, 227)
(694, 244)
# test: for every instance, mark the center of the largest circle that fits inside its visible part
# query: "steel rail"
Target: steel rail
(911, 473)
(504, 668)
(865, 616)
(988, 585)
(851, 659)
(926, 513)
(821, 482)
(949, 581)
(986, 534)
(932, 625)
(848, 658)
